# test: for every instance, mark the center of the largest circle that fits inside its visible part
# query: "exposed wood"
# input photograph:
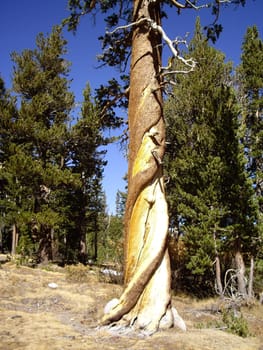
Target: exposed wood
(146, 299)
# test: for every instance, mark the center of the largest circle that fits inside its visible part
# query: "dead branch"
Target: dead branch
(188, 4)
(172, 44)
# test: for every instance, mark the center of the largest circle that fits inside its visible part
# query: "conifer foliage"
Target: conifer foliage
(51, 172)
(210, 194)
(250, 87)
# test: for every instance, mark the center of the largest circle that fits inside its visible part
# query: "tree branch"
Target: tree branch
(188, 62)
(140, 21)
(188, 4)
(171, 43)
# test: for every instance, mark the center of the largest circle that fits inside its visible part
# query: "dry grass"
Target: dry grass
(35, 316)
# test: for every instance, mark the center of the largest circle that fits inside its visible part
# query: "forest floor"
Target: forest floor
(57, 309)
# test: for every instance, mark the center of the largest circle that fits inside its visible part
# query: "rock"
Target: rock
(4, 258)
(53, 285)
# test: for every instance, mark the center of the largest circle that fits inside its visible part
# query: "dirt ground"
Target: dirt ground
(35, 316)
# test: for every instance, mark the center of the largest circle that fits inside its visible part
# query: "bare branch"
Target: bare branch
(178, 71)
(140, 21)
(177, 4)
(196, 7)
(188, 62)
(189, 4)
(172, 44)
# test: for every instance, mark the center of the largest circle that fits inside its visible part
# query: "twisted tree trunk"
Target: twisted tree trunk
(146, 300)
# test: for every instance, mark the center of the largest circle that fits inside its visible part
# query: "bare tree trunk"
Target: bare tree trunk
(218, 277)
(1, 238)
(14, 239)
(54, 245)
(146, 300)
(45, 245)
(241, 280)
(218, 270)
(251, 279)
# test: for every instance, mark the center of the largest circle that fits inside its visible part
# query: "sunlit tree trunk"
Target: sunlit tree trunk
(14, 239)
(218, 269)
(251, 279)
(241, 280)
(218, 277)
(146, 300)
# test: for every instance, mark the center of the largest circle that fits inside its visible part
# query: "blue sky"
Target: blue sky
(22, 20)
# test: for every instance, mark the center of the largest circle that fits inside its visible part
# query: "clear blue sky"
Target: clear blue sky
(22, 20)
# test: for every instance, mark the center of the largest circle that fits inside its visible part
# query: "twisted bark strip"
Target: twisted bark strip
(151, 248)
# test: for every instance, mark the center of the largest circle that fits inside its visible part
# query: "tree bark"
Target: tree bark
(218, 269)
(1, 240)
(146, 300)
(241, 280)
(251, 279)
(218, 277)
(45, 245)
(14, 239)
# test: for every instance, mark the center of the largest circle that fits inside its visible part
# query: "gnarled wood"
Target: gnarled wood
(146, 299)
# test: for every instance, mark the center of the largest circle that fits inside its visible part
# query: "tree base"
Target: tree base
(127, 325)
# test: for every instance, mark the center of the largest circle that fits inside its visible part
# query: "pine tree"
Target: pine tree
(52, 173)
(8, 113)
(87, 159)
(250, 85)
(40, 80)
(204, 163)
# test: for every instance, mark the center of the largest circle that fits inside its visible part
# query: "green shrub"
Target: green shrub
(236, 324)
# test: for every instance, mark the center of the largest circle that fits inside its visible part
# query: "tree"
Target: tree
(250, 85)
(86, 160)
(37, 165)
(51, 173)
(146, 300)
(210, 195)
(8, 113)
(197, 124)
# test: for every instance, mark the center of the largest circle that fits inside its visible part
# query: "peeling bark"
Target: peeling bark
(146, 299)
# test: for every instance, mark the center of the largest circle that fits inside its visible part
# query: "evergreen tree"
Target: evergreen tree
(250, 85)
(8, 113)
(51, 174)
(204, 164)
(87, 159)
(37, 166)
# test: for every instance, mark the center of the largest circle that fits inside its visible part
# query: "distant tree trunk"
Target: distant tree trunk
(218, 277)
(218, 270)
(241, 280)
(95, 244)
(83, 249)
(45, 245)
(146, 300)
(251, 279)
(54, 245)
(14, 239)
(1, 239)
